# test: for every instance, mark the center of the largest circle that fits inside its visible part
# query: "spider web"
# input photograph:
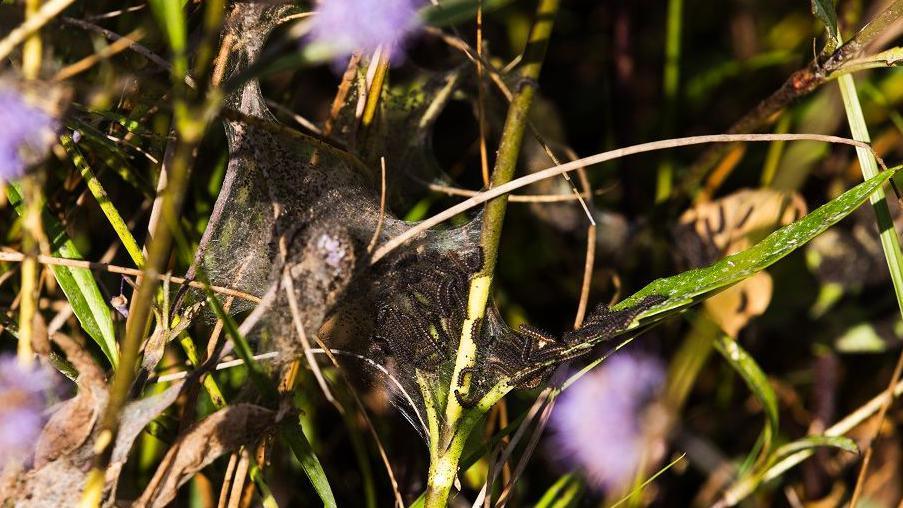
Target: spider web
(298, 209)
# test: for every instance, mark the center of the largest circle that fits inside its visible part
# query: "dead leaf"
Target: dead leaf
(734, 307)
(65, 448)
(201, 444)
(715, 229)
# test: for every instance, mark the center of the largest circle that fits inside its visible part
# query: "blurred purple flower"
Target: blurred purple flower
(23, 398)
(24, 132)
(597, 424)
(346, 26)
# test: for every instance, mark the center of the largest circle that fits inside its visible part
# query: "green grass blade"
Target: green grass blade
(107, 206)
(890, 244)
(809, 443)
(562, 494)
(171, 18)
(757, 382)
(78, 284)
(294, 437)
(689, 287)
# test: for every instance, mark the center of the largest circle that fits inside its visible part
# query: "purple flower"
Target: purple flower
(24, 132)
(598, 423)
(23, 398)
(345, 26)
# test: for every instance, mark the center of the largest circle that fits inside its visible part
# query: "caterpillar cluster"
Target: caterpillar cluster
(419, 324)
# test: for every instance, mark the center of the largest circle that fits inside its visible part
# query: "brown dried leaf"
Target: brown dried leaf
(62, 461)
(734, 307)
(729, 225)
(69, 427)
(201, 444)
(712, 230)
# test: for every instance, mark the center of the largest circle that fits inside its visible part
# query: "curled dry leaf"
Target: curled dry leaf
(201, 444)
(729, 225)
(65, 448)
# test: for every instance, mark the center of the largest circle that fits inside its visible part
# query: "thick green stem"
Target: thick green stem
(494, 211)
(670, 87)
(446, 453)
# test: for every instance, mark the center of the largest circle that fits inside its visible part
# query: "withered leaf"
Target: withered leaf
(201, 444)
(62, 461)
(729, 225)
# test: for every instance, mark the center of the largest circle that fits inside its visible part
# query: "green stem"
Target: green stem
(446, 453)
(889, 241)
(671, 84)
(888, 234)
(494, 211)
(108, 208)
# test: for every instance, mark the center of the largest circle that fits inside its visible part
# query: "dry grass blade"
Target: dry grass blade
(302, 335)
(869, 451)
(212, 437)
(17, 257)
(34, 23)
(597, 159)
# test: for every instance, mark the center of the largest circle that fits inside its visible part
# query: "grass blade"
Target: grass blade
(757, 382)
(294, 437)
(78, 284)
(689, 287)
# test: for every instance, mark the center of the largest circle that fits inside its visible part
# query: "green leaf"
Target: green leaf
(451, 12)
(792, 454)
(291, 433)
(757, 382)
(78, 284)
(687, 288)
(563, 493)
(824, 11)
(780, 462)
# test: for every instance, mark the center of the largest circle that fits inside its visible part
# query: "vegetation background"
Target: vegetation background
(803, 348)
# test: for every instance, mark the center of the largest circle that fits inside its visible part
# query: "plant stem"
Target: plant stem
(671, 84)
(108, 208)
(889, 241)
(494, 210)
(30, 283)
(455, 430)
(140, 310)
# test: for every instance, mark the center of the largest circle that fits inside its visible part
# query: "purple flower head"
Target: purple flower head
(23, 398)
(345, 26)
(26, 132)
(597, 424)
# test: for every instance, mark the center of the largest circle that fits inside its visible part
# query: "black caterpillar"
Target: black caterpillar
(419, 324)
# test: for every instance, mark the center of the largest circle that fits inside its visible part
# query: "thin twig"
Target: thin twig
(116, 13)
(498, 78)
(18, 257)
(481, 97)
(134, 46)
(300, 120)
(867, 457)
(382, 206)
(116, 47)
(34, 23)
(516, 198)
(289, 287)
(597, 159)
(799, 84)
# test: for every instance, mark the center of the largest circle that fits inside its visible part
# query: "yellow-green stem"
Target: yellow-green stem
(494, 211)
(100, 194)
(458, 421)
(29, 291)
